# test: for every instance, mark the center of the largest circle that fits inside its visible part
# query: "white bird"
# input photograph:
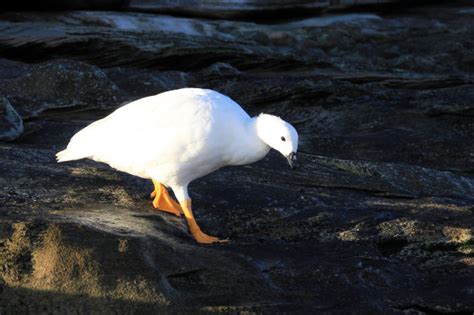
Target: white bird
(178, 136)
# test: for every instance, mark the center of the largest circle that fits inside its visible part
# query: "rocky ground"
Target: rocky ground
(378, 216)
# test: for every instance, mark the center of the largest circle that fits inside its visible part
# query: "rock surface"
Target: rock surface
(229, 8)
(246, 9)
(64, 5)
(61, 84)
(11, 126)
(378, 216)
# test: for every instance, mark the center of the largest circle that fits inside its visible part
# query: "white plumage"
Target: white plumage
(178, 136)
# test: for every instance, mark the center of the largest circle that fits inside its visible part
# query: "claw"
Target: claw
(194, 228)
(203, 238)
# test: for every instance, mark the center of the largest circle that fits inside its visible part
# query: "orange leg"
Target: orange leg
(163, 201)
(198, 235)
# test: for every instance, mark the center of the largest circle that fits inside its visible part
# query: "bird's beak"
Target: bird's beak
(291, 159)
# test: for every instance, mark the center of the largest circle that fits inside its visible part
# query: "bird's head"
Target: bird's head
(279, 135)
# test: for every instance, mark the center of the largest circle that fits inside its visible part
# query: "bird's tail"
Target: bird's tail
(66, 155)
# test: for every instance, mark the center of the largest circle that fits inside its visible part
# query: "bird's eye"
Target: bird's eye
(283, 139)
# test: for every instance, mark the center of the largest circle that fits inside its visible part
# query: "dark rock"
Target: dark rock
(49, 5)
(11, 69)
(230, 9)
(62, 84)
(143, 40)
(11, 124)
(338, 42)
(139, 83)
(376, 218)
(246, 9)
(219, 70)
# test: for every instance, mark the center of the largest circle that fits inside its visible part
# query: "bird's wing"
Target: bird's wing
(161, 127)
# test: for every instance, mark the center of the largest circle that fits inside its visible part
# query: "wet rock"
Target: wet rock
(61, 84)
(140, 83)
(144, 40)
(219, 70)
(61, 5)
(228, 9)
(11, 69)
(11, 126)
(377, 216)
(246, 9)
(337, 42)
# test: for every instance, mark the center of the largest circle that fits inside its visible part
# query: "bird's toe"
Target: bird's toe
(203, 238)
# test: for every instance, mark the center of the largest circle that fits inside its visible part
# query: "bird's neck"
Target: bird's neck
(249, 146)
(256, 145)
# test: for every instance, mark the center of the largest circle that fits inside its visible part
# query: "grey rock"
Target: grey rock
(145, 40)
(12, 69)
(377, 217)
(228, 9)
(11, 126)
(329, 43)
(139, 83)
(246, 9)
(219, 70)
(61, 84)
(64, 5)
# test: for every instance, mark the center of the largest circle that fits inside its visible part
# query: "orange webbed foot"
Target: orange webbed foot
(199, 236)
(163, 201)
(203, 238)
